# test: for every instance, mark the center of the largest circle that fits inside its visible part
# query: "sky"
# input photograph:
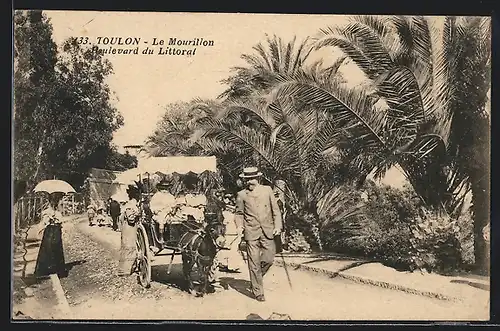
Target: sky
(144, 84)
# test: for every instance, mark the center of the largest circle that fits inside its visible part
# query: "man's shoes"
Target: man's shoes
(260, 298)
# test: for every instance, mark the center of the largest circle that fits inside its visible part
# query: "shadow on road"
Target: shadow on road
(68, 266)
(333, 258)
(473, 284)
(240, 285)
(174, 279)
(336, 273)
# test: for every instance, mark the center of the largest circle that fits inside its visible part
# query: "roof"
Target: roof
(103, 174)
(169, 165)
(133, 146)
(179, 164)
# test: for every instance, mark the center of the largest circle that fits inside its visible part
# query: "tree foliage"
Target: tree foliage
(35, 57)
(421, 109)
(64, 118)
(269, 60)
(435, 85)
(420, 75)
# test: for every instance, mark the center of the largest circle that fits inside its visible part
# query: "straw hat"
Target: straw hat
(250, 172)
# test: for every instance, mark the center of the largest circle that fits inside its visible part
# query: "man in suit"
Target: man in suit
(258, 211)
(114, 212)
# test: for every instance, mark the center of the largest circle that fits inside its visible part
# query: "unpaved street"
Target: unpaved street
(95, 292)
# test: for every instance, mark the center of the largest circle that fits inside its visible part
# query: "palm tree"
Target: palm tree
(287, 141)
(433, 86)
(268, 60)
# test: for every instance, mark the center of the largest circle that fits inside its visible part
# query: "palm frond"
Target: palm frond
(341, 104)
(303, 52)
(417, 51)
(274, 53)
(369, 42)
(406, 112)
(254, 60)
(251, 113)
(247, 139)
(354, 53)
(287, 60)
(259, 48)
(335, 207)
(335, 67)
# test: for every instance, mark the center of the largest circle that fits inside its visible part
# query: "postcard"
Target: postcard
(237, 166)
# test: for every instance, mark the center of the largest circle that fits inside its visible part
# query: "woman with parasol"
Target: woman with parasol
(50, 258)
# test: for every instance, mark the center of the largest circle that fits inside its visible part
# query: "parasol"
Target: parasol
(54, 186)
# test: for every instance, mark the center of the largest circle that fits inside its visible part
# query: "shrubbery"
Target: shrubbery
(297, 242)
(299, 233)
(391, 226)
(435, 243)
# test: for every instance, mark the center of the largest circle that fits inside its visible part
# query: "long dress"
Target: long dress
(50, 258)
(128, 248)
(231, 258)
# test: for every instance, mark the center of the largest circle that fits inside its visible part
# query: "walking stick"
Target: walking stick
(286, 271)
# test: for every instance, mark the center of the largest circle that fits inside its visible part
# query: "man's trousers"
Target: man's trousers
(115, 221)
(260, 254)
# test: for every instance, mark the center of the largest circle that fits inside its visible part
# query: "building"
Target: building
(100, 185)
(134, 150)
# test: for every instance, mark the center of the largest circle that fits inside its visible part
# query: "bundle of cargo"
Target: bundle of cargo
(190, 206)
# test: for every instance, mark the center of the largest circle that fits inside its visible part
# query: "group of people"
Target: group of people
(101, 213)
(165, 208)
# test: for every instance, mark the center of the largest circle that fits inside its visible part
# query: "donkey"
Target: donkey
(199, 246)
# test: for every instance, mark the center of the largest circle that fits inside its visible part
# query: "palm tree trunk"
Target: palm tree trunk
(481, 211)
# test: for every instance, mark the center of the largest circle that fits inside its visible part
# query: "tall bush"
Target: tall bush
(394, 228)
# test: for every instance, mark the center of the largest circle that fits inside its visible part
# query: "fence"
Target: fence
(72, 204)
(28, 209)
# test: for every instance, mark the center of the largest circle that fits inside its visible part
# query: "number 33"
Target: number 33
(83, 40)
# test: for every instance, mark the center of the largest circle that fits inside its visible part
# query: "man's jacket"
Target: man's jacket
(114, 208)
(260, 211)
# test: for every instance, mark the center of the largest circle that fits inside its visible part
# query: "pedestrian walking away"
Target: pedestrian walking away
(256, 205)
(114, 212)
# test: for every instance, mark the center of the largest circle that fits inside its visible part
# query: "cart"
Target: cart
(148, 241)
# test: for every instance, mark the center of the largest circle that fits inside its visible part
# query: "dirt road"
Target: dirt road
(95, 292)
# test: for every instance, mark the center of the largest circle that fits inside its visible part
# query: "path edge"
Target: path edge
(61, 297)
(366, 281)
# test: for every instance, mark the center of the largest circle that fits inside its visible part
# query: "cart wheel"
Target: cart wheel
(143, 262)
(144, 276)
